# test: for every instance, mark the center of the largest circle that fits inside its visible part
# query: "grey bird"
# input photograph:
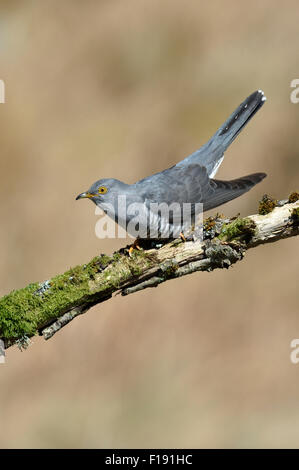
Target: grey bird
(190, 181)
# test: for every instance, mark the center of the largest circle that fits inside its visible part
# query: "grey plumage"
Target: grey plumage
(189, 181)
(211, 153)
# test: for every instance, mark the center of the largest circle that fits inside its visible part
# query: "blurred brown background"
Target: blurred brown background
(127, 88)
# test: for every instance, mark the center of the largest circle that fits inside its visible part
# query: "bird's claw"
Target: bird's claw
(182, 237)
(134, 246)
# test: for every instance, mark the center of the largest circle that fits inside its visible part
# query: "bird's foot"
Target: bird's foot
(189, 237)
(135, 246)
(182, 237)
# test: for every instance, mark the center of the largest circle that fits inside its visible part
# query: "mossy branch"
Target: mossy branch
(44, 308)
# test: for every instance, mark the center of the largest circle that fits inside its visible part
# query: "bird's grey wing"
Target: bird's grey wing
(165, 194)
(191, 184)
(211, 155)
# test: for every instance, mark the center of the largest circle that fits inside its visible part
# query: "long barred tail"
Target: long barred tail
(225, 191)
(227, 133)
(210, 154)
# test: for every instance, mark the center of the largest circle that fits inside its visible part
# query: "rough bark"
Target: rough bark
(45, 308)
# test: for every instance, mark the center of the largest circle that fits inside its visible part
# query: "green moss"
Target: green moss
(16, 312)
(169, 269)
(266, 204)
(24, 312)
(293, 197)
(241, 229)
(116, 256)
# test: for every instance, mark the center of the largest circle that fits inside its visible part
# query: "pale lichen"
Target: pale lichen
(222, 255)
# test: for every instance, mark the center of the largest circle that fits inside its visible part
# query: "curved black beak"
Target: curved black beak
(83, 195)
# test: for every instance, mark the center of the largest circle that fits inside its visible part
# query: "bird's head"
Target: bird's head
(104, 191)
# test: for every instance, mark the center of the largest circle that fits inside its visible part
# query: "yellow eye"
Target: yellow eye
(102, 189)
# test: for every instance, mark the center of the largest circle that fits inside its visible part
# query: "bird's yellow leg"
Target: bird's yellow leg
(134, 246)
